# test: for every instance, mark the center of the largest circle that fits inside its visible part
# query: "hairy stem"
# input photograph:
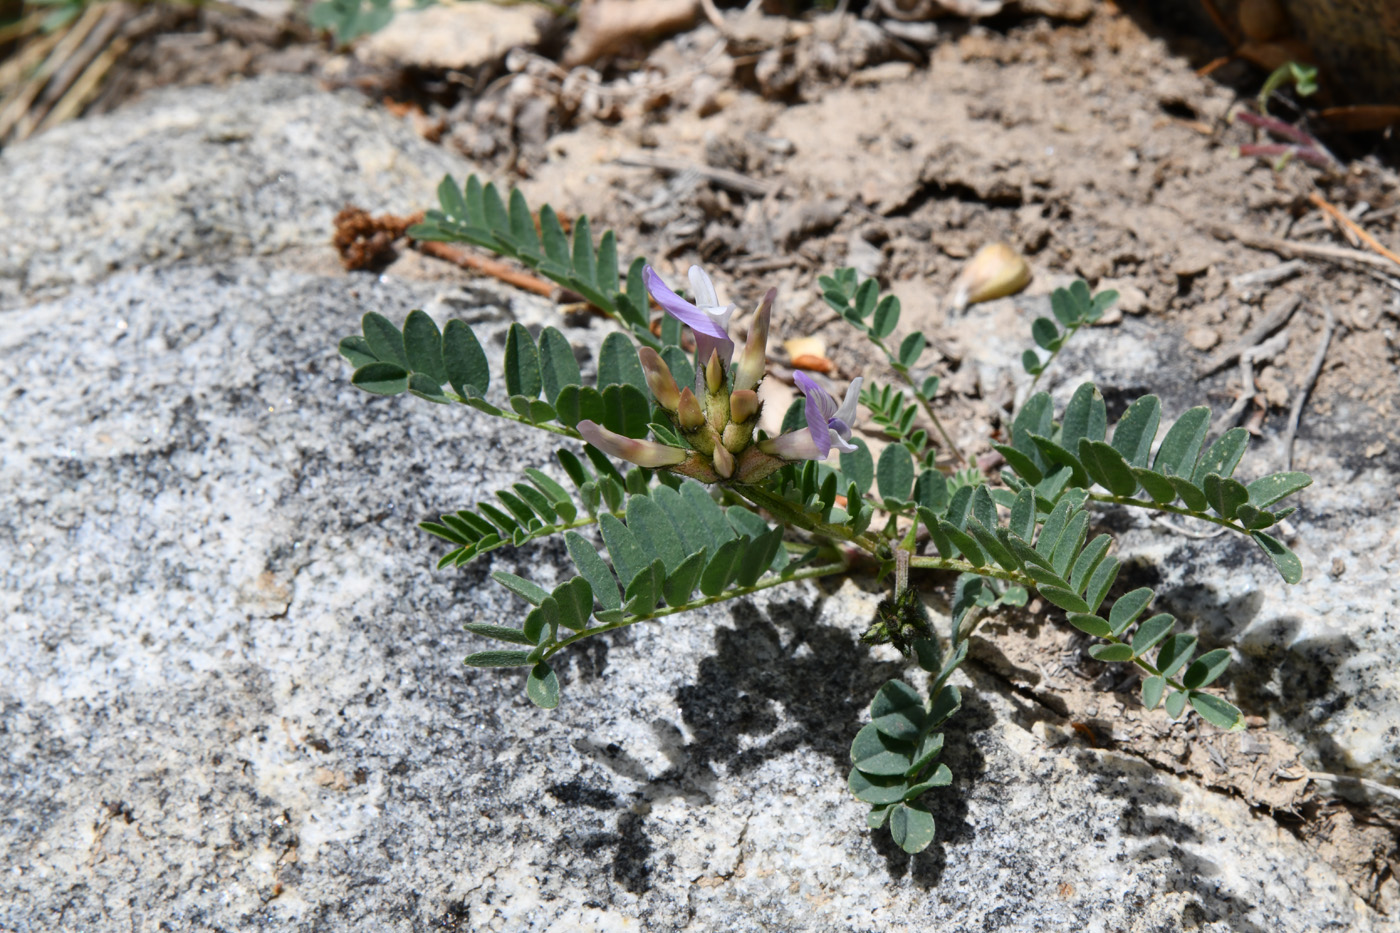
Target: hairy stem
(1175, 509)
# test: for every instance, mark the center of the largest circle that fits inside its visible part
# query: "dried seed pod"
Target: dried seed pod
(995, 272)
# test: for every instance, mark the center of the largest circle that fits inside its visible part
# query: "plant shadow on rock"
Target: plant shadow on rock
(785, 681)
(1277, 673)
(1148, 815)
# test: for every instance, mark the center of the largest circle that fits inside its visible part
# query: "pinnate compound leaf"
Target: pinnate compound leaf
(1205, 669)
(1217, 712)
(911, 827)
(1224, 495)
(898, 711)
(542, 686)
(1288, 564)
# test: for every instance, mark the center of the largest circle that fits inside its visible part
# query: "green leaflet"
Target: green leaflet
(522, 363)
(1177, 455)
(1132, 438)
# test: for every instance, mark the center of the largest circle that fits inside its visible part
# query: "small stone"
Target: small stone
(1202, 338)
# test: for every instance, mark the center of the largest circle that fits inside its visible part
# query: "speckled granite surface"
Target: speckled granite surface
(233, 698)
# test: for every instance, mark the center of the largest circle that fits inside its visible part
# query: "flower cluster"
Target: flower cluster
(719, 416)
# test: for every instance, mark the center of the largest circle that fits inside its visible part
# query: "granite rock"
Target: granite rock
(233, 696)
(1317, 659)
(202, 173)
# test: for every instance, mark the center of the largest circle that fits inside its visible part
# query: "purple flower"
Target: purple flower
(707, 318)
(828, 426)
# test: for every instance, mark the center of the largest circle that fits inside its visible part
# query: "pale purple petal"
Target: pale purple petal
(797, 445)
(680, 309)
(709, 329)
(826, 405)
(817, 427)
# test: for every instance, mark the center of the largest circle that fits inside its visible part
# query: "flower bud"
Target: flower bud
(743, 404)
(714, 373)
(995, 271)
(659, 378)
(643, 453)
(724, 461)
(688, 411)
(753, 362)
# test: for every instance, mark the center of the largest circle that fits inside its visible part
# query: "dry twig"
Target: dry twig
(1360, 232)
(1251, 338)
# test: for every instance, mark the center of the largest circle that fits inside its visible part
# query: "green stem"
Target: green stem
(1175, 509)
(926, 403)
(821, 570)
(1069, 332)
(561, 430)
(963, 566)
